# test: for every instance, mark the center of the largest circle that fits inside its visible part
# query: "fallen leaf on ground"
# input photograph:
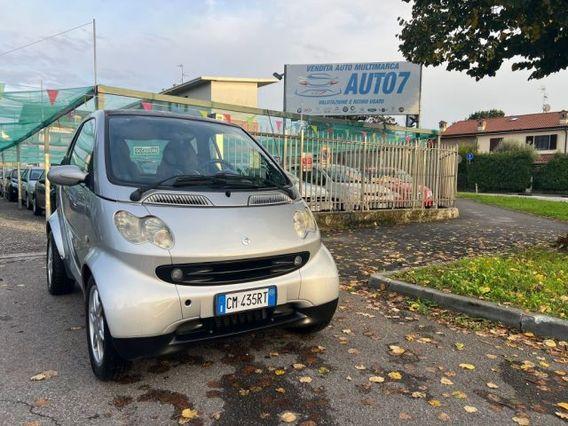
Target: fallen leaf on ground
(563, 405)
(298, 366)
(360, 366)
(467, 366)
(459, 395)
(470, 409)
(346, 331)
(417, 394)
(446, 381)
(288, 417)
(523, 421)
(434, 403)
(352, 351)
(396, 350)
(459, 346)
(550, 343)
(395, 375)
(563, 416)
(188, 415)
(41, 402)
(443, 417)
(305, 379)
(280, 390)
(492, 385)
(404, 416)
(44, 375)
(279, 372)
(323, 370)
(376, 379)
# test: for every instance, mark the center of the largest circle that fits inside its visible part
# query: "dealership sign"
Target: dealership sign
(391, 88)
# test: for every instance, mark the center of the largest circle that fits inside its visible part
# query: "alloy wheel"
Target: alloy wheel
(96, 326)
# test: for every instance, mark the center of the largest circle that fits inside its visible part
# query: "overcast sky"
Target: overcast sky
(140, 43)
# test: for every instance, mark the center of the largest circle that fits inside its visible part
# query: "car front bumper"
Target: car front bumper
(216, 327)
(139, 305)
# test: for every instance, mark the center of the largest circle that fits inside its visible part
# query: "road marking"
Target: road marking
(22, 256)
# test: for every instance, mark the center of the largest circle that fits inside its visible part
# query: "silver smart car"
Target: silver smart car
(179, 230)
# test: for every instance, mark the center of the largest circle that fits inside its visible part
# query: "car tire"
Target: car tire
(28, 203)
(321, 320)
(311, 329)
(35, 208)
(58, 282)
(106, 362)
(11, 196)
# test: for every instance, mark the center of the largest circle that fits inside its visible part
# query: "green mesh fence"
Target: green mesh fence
(23, 114)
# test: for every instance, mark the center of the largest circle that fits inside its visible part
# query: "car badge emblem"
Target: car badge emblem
(245, 241)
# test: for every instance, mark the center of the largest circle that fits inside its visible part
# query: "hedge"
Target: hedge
(498, 171)
(552, 176)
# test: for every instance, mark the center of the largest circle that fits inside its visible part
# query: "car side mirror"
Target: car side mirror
(42, 181)
(67, 175)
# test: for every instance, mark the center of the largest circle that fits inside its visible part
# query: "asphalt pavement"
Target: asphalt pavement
(380, 362)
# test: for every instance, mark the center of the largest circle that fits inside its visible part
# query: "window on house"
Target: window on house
(542, 142)
(493, 142)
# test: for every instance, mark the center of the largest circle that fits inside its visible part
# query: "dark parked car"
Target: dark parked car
(11, 185)
(38, 198)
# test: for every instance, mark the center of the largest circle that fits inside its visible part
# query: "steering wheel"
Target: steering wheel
(224, 164)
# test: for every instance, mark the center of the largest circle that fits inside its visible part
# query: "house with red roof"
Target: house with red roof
(547, 132)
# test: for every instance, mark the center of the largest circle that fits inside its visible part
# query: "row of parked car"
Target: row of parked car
(338, 187)
(33, 188)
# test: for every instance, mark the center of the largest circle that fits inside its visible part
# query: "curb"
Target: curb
(543, 325)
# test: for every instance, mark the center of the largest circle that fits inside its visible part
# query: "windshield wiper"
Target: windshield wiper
(223, 179)
(180, 180)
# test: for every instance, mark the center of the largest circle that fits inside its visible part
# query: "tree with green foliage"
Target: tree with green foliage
(477, 36)
(490, 113)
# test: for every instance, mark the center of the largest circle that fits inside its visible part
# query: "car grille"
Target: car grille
(173, 199)
(208, 328)
(268, 199)
(234, 271)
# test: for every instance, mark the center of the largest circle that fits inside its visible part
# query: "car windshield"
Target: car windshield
(144, 150)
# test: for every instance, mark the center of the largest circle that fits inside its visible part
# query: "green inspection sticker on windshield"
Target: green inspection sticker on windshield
(148, 151)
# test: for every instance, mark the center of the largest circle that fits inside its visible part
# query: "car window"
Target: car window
(83, 147)
(35, 174)
(146, 149)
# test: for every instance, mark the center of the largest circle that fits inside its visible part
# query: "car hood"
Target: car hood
(224, 233)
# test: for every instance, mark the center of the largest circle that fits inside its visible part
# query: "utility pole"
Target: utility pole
(95, 51)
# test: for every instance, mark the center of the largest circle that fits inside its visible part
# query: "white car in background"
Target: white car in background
(316, 197)
(343, 184)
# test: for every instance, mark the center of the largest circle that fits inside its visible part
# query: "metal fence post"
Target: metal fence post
(47, 186)
(363, 167)
(438, 172)
(18, 167)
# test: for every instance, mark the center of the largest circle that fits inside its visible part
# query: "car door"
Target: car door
(76, 199)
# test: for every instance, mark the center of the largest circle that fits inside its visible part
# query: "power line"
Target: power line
(46, 38)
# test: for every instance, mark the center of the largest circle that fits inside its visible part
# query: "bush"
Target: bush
(497, 171)
(552, 176)
(514, 145)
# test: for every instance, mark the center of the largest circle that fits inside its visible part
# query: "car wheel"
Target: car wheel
(106, 363)
(35, 208)
(57, 280)
(28, 203)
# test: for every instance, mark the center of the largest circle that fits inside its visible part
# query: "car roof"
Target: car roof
(165, 114)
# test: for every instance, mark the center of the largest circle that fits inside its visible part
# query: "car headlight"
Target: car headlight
(304, 222)
(138, 230)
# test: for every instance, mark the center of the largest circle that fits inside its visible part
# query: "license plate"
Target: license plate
(229, 303)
